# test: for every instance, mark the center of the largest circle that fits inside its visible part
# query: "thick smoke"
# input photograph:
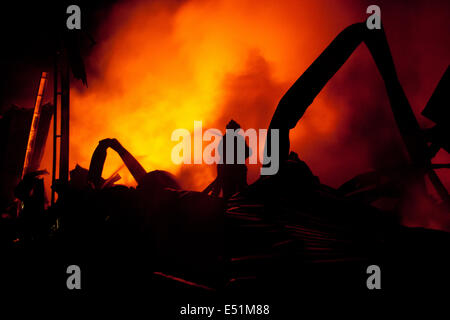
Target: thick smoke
(161, 65)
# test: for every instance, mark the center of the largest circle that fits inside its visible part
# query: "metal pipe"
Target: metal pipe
(34, 124)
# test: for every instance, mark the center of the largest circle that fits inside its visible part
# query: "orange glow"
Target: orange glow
(159, 67)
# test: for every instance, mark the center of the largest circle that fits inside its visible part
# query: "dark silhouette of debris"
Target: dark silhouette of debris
(285, 233)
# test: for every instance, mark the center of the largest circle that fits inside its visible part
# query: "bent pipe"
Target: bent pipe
(301, 94)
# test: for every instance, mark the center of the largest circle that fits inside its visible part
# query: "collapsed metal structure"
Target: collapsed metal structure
(300, 96)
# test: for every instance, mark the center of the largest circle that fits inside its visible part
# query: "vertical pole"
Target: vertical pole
(55, 122)
(65, 113)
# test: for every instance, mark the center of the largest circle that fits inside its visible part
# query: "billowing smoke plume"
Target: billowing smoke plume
(160, 65)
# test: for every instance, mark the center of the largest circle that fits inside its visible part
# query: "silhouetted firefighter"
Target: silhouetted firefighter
(231, 175)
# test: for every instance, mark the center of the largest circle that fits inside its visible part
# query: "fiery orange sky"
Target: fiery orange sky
(160, 65)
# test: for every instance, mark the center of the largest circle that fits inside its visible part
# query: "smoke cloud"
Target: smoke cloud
(161, 65)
